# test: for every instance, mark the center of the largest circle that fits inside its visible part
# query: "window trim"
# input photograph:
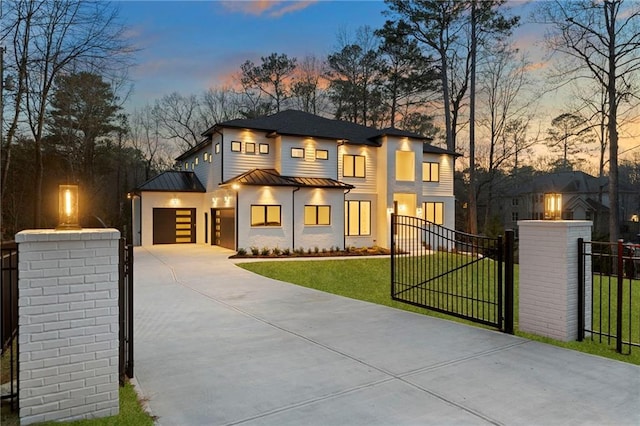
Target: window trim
(326, 154)
(297, 149)
(352, 158)
(431, 164)
(317, 215)
(236, 146)
(347, 211)
(265, 224)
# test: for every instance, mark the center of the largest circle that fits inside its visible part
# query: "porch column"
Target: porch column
(548, 289)
(68, 324)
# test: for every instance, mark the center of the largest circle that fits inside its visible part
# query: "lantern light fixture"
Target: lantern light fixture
(68, 207)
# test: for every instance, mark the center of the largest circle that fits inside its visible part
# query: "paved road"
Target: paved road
(217, 345)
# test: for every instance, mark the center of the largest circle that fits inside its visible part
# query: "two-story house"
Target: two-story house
(295, 180)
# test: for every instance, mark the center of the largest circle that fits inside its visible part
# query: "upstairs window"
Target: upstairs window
(353, 166)
(217, 148)
(431, 172)
(405, 166)
(236, 146)
(264, 148)
(250, 148)
(322, 154)
(297, 153)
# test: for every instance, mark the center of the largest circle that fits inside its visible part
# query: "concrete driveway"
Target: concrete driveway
(217, 345)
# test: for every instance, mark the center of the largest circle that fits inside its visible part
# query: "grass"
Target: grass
(368, 280)
(131, 414)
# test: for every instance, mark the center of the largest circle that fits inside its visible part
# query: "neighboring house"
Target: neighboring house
(295, 180)
(570, 195)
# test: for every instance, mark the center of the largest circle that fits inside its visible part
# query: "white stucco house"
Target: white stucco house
(295, 180)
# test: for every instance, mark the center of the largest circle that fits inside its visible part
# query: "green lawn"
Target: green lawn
(369, 280)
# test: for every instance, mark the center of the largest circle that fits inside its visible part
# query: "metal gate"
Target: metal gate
(464, 275)
(9, 327)
(125, 302)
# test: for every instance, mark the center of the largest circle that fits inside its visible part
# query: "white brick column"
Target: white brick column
(68, 319)
(548, 289)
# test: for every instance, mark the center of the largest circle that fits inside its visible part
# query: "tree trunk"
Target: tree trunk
(473, 207)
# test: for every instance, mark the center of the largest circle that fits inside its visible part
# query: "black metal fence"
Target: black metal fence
(463, 275)
(125, 302)
(609, 293)
(9, 326)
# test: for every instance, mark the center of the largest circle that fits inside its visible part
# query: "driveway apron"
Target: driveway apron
(218, 345)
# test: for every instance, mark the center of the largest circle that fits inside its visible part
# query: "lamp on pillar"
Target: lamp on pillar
(552, 206)
(68, 207)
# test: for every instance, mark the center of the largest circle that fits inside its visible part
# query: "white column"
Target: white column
(548, 285)
(68, 324)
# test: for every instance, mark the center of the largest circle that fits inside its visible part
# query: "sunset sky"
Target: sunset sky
(190, 46)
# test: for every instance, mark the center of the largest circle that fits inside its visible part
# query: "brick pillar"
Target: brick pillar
(68, 319)
(548, 289)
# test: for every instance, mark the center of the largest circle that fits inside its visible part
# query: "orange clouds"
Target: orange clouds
(270, 8)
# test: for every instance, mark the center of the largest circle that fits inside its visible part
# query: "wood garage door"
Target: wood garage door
(172, 226)
(223, 229)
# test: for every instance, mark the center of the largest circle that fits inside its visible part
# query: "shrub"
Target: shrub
(316, 250)
(242, 252)
(276, 251)
(265, 251)
(286, 252)
(324, 250)
(255, 251)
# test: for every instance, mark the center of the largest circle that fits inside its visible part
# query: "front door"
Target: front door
(223, 228)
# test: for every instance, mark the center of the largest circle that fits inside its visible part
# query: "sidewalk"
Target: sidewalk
(218, 345)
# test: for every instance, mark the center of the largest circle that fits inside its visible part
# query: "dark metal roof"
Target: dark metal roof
(171, 181)
(271, 177)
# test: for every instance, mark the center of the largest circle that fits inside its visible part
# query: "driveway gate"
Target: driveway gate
(464, 275)
(125, 301)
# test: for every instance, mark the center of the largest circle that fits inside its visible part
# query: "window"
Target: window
(514, 201)
(297, 153)
(236, 146)
(431, 172)
(264, 148)
(353, 165)
(265, 215)
(186, 165)
(322, 154)
(250, 148)
(317, 215)
(405, 166)
(217, 148)
(514, 216)
(357, 218)
(197, 158)
(205, 157)
(434, 212)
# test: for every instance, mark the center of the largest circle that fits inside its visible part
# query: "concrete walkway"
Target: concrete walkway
(217, 345)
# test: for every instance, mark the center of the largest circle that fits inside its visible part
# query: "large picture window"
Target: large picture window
(357, 218)
(353, 165)
(434, 212)
(405, 166)
(431, 172)
(264, 215)
(317, 215)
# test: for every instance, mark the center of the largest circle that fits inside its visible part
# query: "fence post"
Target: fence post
(620, 276)
(130, 310)
(508, 275)
(581, 289)
(393, 255)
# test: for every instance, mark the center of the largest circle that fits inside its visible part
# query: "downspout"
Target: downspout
(236, 216)
(293, 218)
(344, 234)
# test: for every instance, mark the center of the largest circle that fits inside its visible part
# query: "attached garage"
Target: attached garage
(174, 226)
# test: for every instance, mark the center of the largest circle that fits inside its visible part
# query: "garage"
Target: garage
(174, 226)
(223, 231)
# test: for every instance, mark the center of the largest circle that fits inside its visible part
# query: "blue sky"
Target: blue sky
(188, 46)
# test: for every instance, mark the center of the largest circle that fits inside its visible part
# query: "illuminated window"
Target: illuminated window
(217, 148)
(353, 165)
(236, 146)
(197, 158)
(250, 148)
(357, 218)
(186, 165)
(265, 215)
(434, 212)
(431, 172)
(205, 156)
(317, 215)
(264, 148)
(405, 165)
(322, 154)
(297, 153)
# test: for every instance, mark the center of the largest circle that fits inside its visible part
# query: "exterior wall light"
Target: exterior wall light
(552, 206)
(68, 207)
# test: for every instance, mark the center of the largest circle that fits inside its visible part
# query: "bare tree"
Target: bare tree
(601, 43)
(218, 105)
(50, 38)
(308, 88)
(180, 119)
(270, 77)
(144, 135)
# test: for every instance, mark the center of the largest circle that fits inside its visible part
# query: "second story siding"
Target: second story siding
(444, 185)
(355, 154)
(241, 151)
